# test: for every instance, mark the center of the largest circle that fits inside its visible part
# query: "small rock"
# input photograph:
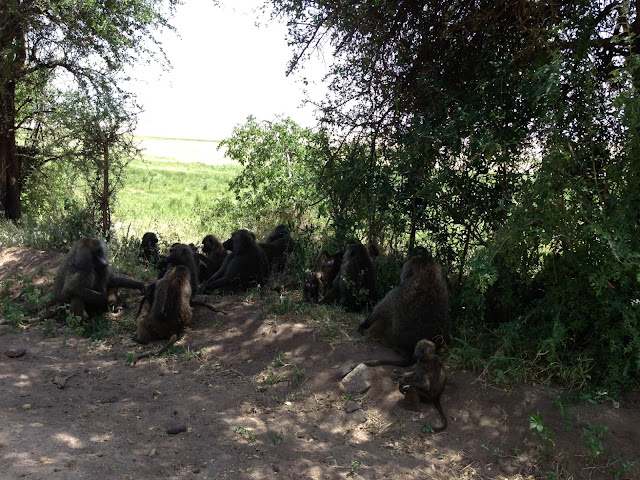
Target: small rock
(352, 406)
(195, 470)
(359, 380)
(177, 429)
(26, 406)
(276, 468)
(16, 353)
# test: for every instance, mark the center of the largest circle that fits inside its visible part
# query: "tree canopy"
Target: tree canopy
(503, 136)
(50, 50)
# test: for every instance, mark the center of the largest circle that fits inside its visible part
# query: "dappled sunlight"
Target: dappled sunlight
(69, 440)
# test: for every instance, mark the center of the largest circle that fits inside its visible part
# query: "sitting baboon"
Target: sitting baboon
(214, 255)
(149, 248)
(427, 383)
(356, 282)
(277, 245)
(171, 310)
(417, 308)
(182, 254)
(86, 281)
(312, 287)
(329, 267)
(246, 265)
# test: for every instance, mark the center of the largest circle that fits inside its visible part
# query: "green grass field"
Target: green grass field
(165, 191)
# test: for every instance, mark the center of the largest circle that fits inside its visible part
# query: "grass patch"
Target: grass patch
(166, 196)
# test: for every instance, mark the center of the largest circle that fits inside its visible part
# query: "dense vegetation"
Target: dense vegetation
(501, 136)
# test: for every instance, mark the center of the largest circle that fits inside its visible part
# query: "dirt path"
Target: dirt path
(254, 394)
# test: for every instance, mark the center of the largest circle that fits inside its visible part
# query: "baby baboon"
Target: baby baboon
(246, 265)
(356, 282)
(417, 308)
(312, 288)
(86, 281)
(171, 310)
(149, 248)
(329, 267)
(427, 382)
(214, 255)
(277, 245)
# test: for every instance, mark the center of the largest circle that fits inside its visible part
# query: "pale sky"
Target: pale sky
(224, 69)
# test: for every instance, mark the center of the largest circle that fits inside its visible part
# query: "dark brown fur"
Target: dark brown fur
(214, 255)
(356, 283)
(329, 267)
(149, 248)
(278, 245)
(245, 266)
(86, 281)
(312, 288)
(182, 254)
(427, 382)
(171, 309)
(417, 308)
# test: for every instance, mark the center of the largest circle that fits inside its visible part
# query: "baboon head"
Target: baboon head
(424, 349)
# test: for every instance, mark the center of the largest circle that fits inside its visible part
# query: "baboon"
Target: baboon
(149, 248)
(417, 308)
(356, 282)
(246, 265)
(214, 255)
(182, 254)
(86, 281)
(329, 267)
(171, 309)
(312, 287)
(277, 245)
(427, 382)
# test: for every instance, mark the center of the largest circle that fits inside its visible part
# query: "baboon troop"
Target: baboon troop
(245, 266)
(170, 310)
(417, 308)
(427, 382)
(149, 251)
(86, 281)
(355, 285)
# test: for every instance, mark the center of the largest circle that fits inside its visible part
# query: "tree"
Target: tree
(512, 132)
(51, 46)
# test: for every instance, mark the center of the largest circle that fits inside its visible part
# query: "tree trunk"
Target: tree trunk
(10, 166)
(12, 57)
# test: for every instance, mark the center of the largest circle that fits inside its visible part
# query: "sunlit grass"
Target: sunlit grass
(162, 194)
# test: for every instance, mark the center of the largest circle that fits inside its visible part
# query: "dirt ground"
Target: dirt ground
(254, 394)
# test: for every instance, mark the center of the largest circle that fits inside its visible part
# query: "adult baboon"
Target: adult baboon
(214, 255)
(149, 248)
(427, 383)
(171, 310)
(182, 254)
(356, 282)
(246, 265)
(417, 308)
(277, 245)
(329, 267)
(312, 287)
(86, 281)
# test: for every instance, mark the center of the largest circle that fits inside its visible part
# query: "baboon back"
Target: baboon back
(417, 308)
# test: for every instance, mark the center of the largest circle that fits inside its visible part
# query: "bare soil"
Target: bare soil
(255, 394)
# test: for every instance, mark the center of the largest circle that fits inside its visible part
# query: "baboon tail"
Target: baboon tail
(443, 417)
